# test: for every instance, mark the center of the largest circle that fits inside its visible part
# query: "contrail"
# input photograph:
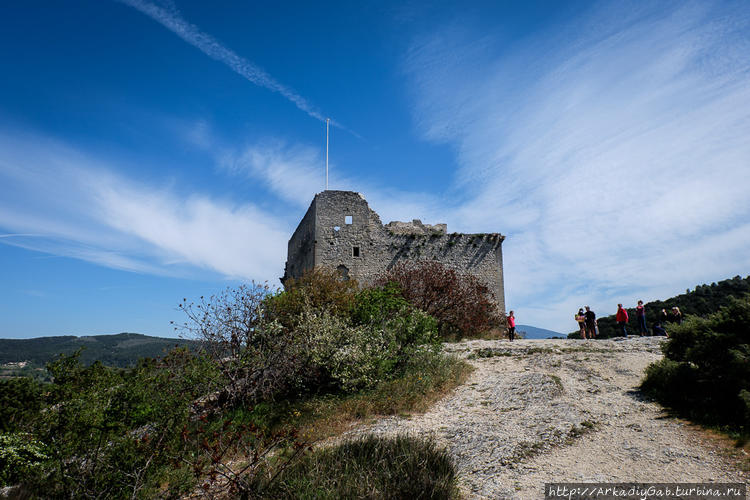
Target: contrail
(207, 44)
(15, 235)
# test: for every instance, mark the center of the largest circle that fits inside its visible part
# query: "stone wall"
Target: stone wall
(341, 232)
(301, 247)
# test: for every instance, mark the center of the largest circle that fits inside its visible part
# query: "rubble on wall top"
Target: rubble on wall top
(340, 192)
(416, 227)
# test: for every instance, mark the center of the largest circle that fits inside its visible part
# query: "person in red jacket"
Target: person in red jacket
(511, 326)
(622, 320)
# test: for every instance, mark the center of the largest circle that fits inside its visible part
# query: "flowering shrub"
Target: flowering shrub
(321, 333)
(342, 355)
(357, 356)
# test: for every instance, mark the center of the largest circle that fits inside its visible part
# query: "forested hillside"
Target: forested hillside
(120, 350)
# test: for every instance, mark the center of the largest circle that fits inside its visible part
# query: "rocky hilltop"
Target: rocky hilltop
(537, 411)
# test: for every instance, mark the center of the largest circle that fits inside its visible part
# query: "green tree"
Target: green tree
(20, 400)
(116, 433)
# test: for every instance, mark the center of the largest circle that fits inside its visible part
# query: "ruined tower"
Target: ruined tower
(341, 232)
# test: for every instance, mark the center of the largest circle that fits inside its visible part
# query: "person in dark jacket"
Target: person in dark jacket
(661, 325)
(640, 314)
(663, 317)
(590, 323)
(622, 320)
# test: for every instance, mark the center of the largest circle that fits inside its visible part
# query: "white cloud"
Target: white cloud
(294, 173)
(236, 241)
(65, 203)
(60, 201)
(616, 159)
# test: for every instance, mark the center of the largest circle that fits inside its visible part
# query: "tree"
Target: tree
(258, 358)
(462, 305)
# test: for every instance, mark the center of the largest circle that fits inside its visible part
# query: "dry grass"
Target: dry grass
(735, 448)
(425, 382)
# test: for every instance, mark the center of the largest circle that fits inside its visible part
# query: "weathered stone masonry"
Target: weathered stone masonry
(341, 232)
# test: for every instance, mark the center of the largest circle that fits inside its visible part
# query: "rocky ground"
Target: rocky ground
(537, 411)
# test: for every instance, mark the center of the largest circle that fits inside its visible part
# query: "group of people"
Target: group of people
(587, 323)
(589, 328)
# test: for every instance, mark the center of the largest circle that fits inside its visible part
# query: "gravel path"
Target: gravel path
(537, 411)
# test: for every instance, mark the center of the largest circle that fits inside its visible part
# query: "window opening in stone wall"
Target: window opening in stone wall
(348, 219)
(336, 229)
(355, 251)
(343, 272)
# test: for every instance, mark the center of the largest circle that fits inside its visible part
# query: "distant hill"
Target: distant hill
(701, 301)
(120, 350)
(532, 332)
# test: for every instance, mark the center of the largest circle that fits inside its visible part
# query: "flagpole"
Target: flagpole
(328, 120)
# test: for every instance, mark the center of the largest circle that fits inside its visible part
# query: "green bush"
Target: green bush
(20, 456)
(371, 467)
(705, 374)
(404, 329)
(319, 289)
(375, 306)
(340, 355)
(116, 432)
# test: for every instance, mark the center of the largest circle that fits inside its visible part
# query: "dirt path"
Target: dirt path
(537, 411)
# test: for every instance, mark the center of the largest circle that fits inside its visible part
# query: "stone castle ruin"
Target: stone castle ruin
(340, 231)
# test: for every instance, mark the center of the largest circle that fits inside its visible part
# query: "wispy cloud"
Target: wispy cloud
(294, 173)
(59, 201)
(171, 19)
(616, 158)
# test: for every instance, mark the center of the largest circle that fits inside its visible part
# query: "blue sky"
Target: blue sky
(155, 150)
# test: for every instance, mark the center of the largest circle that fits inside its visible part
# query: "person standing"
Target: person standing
(589, 323)
(622, 320)
(640, 314)
(511, 326)
(676, 316)
(580, 318)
